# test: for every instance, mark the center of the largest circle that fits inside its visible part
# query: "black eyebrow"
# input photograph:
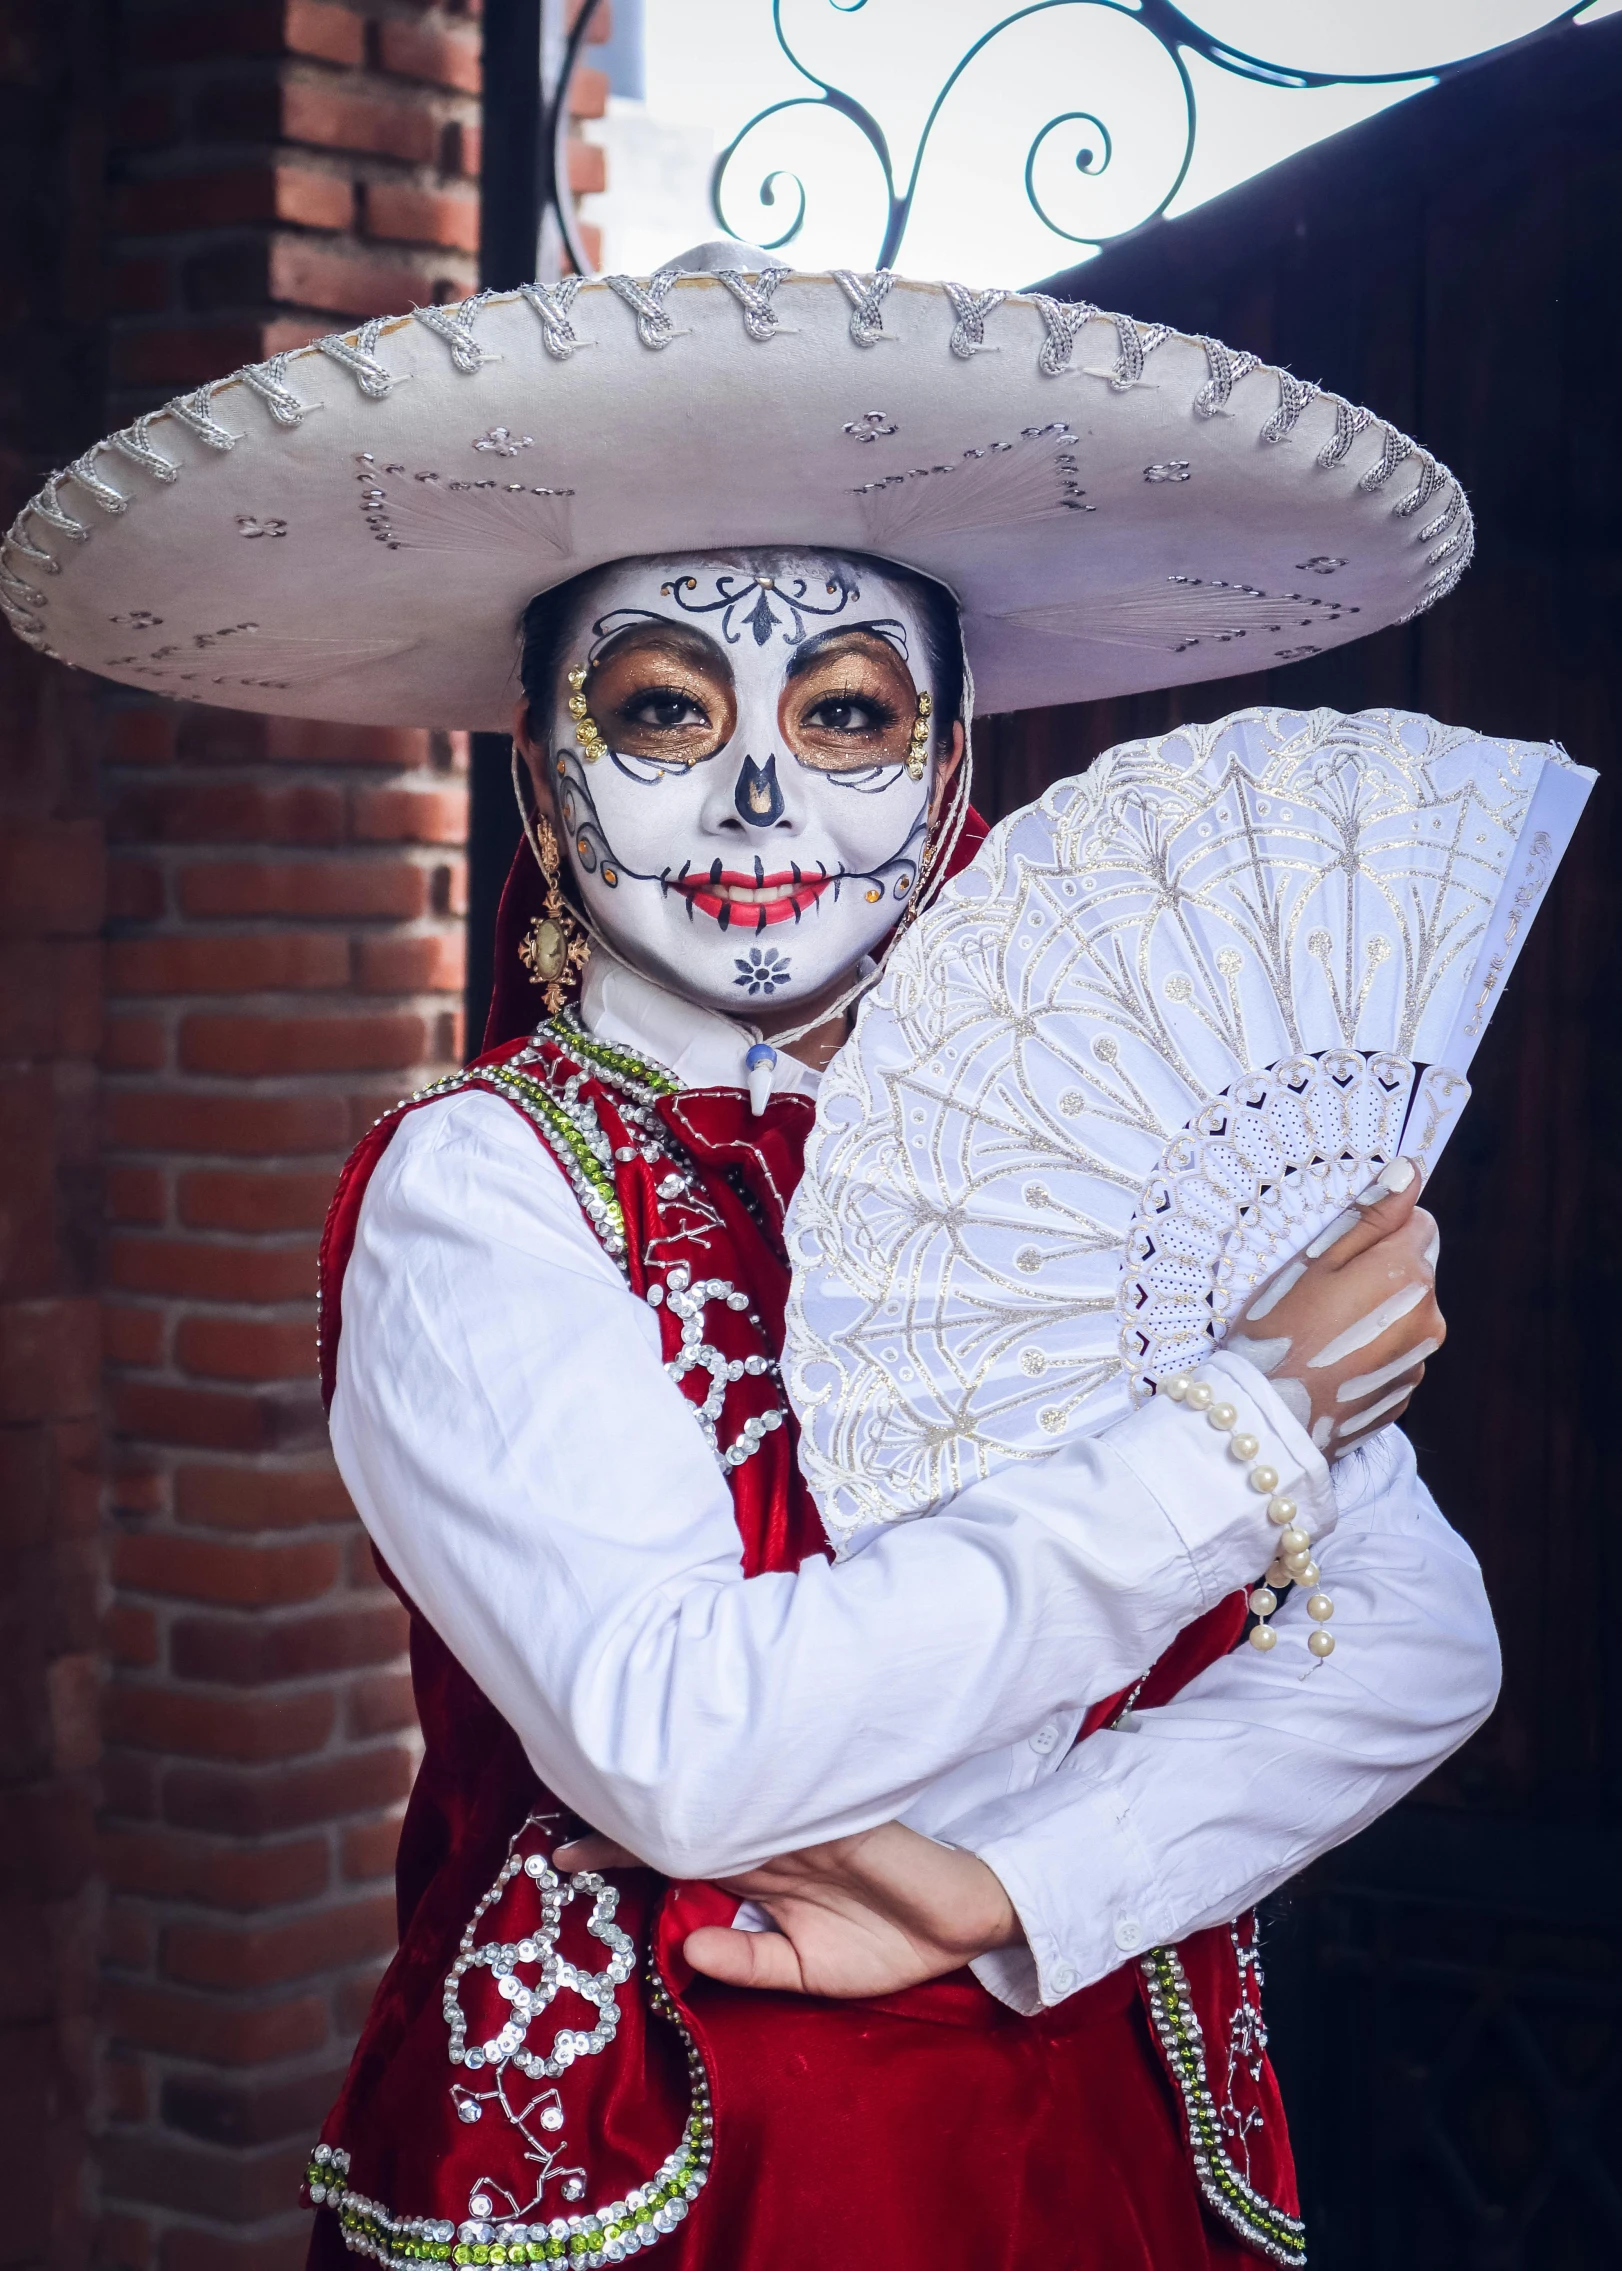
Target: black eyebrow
(617, 630)
(887, 628)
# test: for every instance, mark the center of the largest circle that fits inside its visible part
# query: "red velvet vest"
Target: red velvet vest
(542, 2080)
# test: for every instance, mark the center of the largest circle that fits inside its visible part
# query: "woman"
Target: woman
(972, 2007)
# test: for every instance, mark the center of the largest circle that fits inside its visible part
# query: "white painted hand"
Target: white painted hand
(1344, 1331)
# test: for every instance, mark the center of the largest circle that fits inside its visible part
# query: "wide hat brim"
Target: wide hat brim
(352, 530)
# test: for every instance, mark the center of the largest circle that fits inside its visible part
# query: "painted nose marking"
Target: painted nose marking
(757, 796)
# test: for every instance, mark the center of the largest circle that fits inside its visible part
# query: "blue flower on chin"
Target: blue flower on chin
(762, 970)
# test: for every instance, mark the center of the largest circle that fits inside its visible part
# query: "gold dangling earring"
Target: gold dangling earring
(557, 944)
(591, 741)
(918, 748)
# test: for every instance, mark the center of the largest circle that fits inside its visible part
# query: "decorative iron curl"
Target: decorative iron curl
(1173, 31)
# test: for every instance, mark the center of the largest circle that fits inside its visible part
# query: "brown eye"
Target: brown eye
(666, 708)
(849, 705)
(849, 713)
(671, 702)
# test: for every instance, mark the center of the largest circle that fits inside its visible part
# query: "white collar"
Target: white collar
(700, 1046)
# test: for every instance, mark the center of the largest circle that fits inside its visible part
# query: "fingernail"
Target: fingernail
(1398, 1176)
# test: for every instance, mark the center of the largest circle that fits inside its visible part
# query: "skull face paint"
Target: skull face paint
(733, 748)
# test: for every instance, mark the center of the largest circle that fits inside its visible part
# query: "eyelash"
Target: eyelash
(882, 713)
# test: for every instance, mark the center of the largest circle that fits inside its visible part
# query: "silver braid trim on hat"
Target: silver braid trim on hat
(133, 442)
(359, 358)
(454, 325)
(1446, 539)
(971, 310)
(760, 318)
(646, 297)
(83, 470)
(552, 303)
(269, 382)
(867, 295)
(1063, 320)
(196, 414)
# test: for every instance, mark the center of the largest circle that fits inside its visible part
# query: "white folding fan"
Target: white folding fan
(1169, 1021)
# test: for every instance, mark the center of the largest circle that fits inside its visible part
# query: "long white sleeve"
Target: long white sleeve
(1200, 1808)
(539, 1487)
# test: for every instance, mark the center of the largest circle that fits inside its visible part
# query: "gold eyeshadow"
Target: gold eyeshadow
(861, 671)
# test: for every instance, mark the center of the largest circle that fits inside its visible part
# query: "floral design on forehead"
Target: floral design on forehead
(736, 589)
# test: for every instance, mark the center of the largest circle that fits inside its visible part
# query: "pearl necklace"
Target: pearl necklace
(1292, 1562)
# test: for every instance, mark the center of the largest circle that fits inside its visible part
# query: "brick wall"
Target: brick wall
(225, 944)
(51, 100)
(284, 959)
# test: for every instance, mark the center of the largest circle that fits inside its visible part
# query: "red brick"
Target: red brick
(192, 2247)
(361, 1572)
(235, 962)
(207, 1419)
(252, 1047)
(381, 1705)
(183, 354)
(260, 1651)
(410, 816)
(128, 1941)
(134, 1044)
(135, 891)
(318, 741)
(136, 1194)
(422, 51)
(333, 118)
(166, 1864)
(50, 1353)
(226, 812)
(268, 194)
(131, 1334)
(234, 2188)
(141, 736)
(259, 2110)
(330, 34)
(588, 93)
(216, 1200)
(424, 962)
(355, 1997)
(146, 120)
(253, 28)
(123, 2242)
(139, 287)
(52, 878)
(369, 1849)
(126, 2097)
(235, 1576)
(236, 1348)
(302, 273)
(335, 887)
(187, 1724)
(155, 1119)
(190, 1269)
(50, 998)
(588, 167)
(423, 216)
(463, 150)
(139, 1489)
(260, 1498)
(129, 1636)
(129, 1786)
(255, 1805)
(197, 2026)
(205, 1955)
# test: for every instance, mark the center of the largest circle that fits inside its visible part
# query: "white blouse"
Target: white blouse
(540, 1488)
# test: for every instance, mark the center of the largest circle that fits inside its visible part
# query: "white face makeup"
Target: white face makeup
(743, 823)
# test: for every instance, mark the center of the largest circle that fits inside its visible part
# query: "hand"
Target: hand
(1352, 1324)
(864, 1915)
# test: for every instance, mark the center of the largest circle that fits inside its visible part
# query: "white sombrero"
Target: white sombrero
(351, 530)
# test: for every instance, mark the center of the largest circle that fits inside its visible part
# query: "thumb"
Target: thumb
(745, 1959)
(1384, 1207)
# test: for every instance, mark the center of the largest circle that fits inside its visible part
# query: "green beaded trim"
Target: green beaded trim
(590, 1161)
(622, 1065)
(584, 2242)
(1280, 2237)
